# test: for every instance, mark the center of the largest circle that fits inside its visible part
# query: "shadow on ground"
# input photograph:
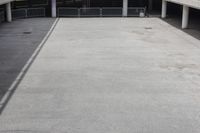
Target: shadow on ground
(194, 25)
(18, 41)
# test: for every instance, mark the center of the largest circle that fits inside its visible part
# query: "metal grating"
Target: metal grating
(100, 12)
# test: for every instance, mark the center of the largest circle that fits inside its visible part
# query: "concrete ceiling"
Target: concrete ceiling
(190, 3)
(5, 1)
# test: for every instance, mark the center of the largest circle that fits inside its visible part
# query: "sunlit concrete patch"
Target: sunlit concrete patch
(110, 75)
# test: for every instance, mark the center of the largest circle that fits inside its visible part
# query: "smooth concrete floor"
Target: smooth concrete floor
(110, 75)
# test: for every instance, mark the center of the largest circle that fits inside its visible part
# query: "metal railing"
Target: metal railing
(2, 16)
(112, 12)
(28, 13)
(100, 12)
(36, 12)
(137, 12)
(90, 12)
(19, 13)
(68, 12)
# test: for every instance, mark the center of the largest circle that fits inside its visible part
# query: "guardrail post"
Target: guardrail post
(44, 12)
(26, 10)
(185, 17)
(8, 12)
(79, 12)
(101, 12)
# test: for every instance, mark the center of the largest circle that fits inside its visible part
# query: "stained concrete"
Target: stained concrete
(110, 75)
(18, 40)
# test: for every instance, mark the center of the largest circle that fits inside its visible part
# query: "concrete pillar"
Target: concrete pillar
(125, 8)
(53, 8)
(185, 17)
(8, 12)
(164, 9)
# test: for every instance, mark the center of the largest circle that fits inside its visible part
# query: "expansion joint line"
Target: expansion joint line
(9, 93)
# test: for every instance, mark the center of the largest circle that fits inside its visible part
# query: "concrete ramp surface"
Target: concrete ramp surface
(110, 75)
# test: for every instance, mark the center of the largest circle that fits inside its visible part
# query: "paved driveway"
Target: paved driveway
(110, 75)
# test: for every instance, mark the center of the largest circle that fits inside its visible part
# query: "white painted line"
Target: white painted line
(25, 68)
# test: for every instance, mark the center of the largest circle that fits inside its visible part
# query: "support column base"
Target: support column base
(164, 9)
(8, 12)
(185, 17)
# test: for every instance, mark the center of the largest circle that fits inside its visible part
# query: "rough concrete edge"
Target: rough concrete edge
(22, 73)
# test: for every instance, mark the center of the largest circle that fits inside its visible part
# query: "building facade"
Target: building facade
(94, 8)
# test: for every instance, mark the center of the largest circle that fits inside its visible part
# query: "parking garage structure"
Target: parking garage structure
(110, 75)
(91, 8)
(103, 75)
(120, 8)
(82, 8)
(8, 10)
(186, 5)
